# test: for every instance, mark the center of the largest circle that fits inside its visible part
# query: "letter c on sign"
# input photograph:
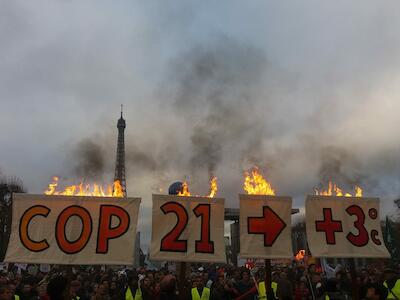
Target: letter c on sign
(29, 214)
(72, 247)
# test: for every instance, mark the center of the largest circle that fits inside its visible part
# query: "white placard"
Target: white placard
(73, 230)
(187, 229)
(265, 226)
(344, 227)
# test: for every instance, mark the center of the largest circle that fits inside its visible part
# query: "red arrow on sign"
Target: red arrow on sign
(270, 225)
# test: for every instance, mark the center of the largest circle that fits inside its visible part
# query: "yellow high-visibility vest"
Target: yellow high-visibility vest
(16, 297)
(393, 293)
(129, 295)
(262, 291)
(205, 295)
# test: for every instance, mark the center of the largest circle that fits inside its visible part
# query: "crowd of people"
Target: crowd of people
(297, 282)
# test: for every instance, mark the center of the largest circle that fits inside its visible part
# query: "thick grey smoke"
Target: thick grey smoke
(88, 159)
(216, 86)
(340, 166)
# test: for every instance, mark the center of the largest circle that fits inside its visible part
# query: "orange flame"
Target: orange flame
(213, 187)
(255, 184)
(185, 190)
(334, 190)
(114, 190)
(300, 255)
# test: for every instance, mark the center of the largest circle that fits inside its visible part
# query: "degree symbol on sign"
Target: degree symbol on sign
(330, 226)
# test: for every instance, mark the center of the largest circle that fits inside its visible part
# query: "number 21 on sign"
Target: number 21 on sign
(172, 242)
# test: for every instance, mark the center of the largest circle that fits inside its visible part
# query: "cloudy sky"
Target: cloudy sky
(306, 90)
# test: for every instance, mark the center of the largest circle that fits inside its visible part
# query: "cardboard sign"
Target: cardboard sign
(344, 227)
(265, 226)
(72, 230)
(187, 229)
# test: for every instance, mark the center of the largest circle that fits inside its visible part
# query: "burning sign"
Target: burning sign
(334, 190)
(265, 220)
(212, 193)
(114, 190)
(55, 229)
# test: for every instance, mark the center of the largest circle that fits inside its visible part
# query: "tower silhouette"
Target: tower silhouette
(120, 159)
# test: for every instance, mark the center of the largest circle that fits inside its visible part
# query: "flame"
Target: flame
(300, 255)
(213, 187)
(334, 190)
(185, 189)
(114, 190)
(255, 184)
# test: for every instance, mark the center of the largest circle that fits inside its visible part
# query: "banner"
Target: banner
(265, 226)
(187, 229)
(344, 227)
(73, 230)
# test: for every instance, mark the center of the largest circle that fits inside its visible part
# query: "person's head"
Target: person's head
(312, 268)
(236, 274)
(146, 282)
(75, 287)
(57, 287)
(101, 291)
(26, 288)
(105, 284)
(245, 275)
(283, 275)
(41, 290)
(3, 279)
(113, 285)
(372, 293)
(5, 293)
(133, 278)
(389, 274)
(221, 279)
(331, 285)
(95, 287)
(199, 281)
(157, 288)
(316, 278)
(150, 275)
(168, 285)
(12, 287)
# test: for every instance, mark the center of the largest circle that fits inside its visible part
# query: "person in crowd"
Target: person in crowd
(284, 287)
(57, 288)
(245, 284)
(391, 284)
(332, 291)
(28, 293)
(132, 289)
(168, 288)
(13, 288)
(301, 290)
(199, 291)
(5, 293)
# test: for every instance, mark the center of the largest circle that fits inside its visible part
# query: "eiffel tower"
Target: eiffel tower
(120, 159)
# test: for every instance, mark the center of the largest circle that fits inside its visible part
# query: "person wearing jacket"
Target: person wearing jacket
(199, 290)
(391, 284)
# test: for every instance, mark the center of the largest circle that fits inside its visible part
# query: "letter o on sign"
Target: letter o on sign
(72, 247)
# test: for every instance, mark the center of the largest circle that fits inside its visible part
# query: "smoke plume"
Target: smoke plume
(89, 159)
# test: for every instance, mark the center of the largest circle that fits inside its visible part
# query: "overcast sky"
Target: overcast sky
(306, 90)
